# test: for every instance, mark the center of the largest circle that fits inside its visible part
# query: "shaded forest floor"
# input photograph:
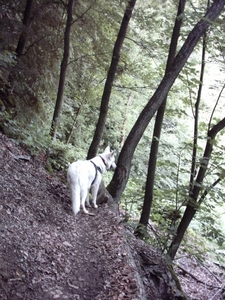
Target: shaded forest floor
(47, 253)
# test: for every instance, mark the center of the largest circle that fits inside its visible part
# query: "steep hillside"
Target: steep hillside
(47, 253)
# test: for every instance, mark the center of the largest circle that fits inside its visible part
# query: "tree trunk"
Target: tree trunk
(196, 113)
(109, 81)
(75, 121)
(193, 204)
(22, 38)
(122, 172)
(62, 77)
(123, 137)
(26, 23)
(148, 199)
(190, 212)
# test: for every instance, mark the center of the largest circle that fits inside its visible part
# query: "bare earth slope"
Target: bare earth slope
(47, 253)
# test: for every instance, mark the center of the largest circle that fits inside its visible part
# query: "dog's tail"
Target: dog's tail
(75, 197)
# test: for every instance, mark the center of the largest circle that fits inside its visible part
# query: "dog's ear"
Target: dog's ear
(113, 153)
(107, 149)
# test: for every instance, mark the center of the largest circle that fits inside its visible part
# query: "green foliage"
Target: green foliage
(194, 245)
(7, 60)
(35, 136)
(61, 155)
(132, 198)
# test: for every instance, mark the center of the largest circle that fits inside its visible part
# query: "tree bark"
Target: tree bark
(190, 211)
(109, 81)
(22, 38)
(75, 121)
(64, 64)
(26, 23)
(196, 114)
(193, 204)
(121, 175)
(148, 199)
(123, 137)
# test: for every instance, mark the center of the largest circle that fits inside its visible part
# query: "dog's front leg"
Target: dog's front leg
(87, 200)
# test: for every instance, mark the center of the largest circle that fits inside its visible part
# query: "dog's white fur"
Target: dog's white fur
(85, 176)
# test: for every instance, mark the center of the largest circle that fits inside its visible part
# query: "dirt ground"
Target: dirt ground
(47, 253)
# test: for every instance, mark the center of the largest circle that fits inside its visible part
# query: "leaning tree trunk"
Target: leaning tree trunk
(193, 203)
(121, 175)
(109, 81)
(59, 100)
(148, 199)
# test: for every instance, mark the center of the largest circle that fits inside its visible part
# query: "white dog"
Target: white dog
(85, 176)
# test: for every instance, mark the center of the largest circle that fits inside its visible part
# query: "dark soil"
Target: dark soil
(48, 253)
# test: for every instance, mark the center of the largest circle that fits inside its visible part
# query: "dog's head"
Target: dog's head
(109, 158)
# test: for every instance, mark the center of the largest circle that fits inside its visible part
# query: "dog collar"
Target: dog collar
(103, 161)
(96, 171)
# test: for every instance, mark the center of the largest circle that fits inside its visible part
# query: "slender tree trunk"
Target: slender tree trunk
(22, 38)
(191, 210)
(75, 121)
(109, 81)
(121, 175)
(148, 199)
(193, 204)
(196, 113)
(26, 23)
(123, 137)
(59, 100)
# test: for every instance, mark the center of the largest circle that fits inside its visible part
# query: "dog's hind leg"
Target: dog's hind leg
(75, 197)
(83, 199)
